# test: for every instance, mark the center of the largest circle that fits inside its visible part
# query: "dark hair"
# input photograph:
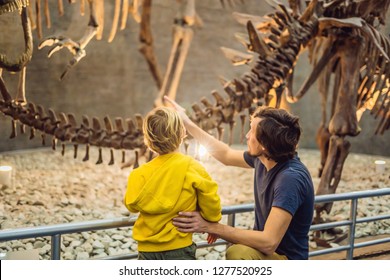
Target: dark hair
(278, 132)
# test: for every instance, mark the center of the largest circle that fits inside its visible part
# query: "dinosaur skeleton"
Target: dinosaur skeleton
(341, 42)
(344, 44)
(64, 127)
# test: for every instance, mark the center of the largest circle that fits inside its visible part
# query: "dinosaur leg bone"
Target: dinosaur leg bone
(146, 40)
(6, 103)
(338, 152)
(181, 44)
(344, 120)
(25, 57)
(21, 93)
(3, 89)
(322, 139)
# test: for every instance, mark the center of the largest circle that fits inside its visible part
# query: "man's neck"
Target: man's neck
(268, 163)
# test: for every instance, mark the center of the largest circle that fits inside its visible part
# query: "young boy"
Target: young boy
(170, 183)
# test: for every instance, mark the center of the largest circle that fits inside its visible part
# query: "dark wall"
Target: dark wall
(114, 79)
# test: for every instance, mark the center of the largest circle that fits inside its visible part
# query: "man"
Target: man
(283, 188)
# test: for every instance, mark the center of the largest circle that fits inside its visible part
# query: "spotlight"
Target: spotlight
(5, 175)
(202, 153)
(380, 166)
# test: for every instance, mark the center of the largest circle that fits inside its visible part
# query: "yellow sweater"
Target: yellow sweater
(161, 188)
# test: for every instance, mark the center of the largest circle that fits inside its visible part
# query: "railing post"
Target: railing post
(56, 247)
(231, 220)
(352, 227)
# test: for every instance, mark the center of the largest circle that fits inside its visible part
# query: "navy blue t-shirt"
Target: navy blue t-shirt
(288, 185)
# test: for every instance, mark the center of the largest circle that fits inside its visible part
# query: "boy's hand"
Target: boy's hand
(211, 238)
(177, 107)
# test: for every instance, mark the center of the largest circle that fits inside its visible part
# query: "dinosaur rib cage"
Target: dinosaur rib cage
(278, 50)
(374, 86)
(276, 58)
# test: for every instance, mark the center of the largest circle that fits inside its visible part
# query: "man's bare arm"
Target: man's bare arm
(265, 241)
(217, 149)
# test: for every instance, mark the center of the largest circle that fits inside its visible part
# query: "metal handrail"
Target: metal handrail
(56, 231)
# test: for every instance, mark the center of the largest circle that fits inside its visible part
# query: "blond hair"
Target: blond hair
(163, 130)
